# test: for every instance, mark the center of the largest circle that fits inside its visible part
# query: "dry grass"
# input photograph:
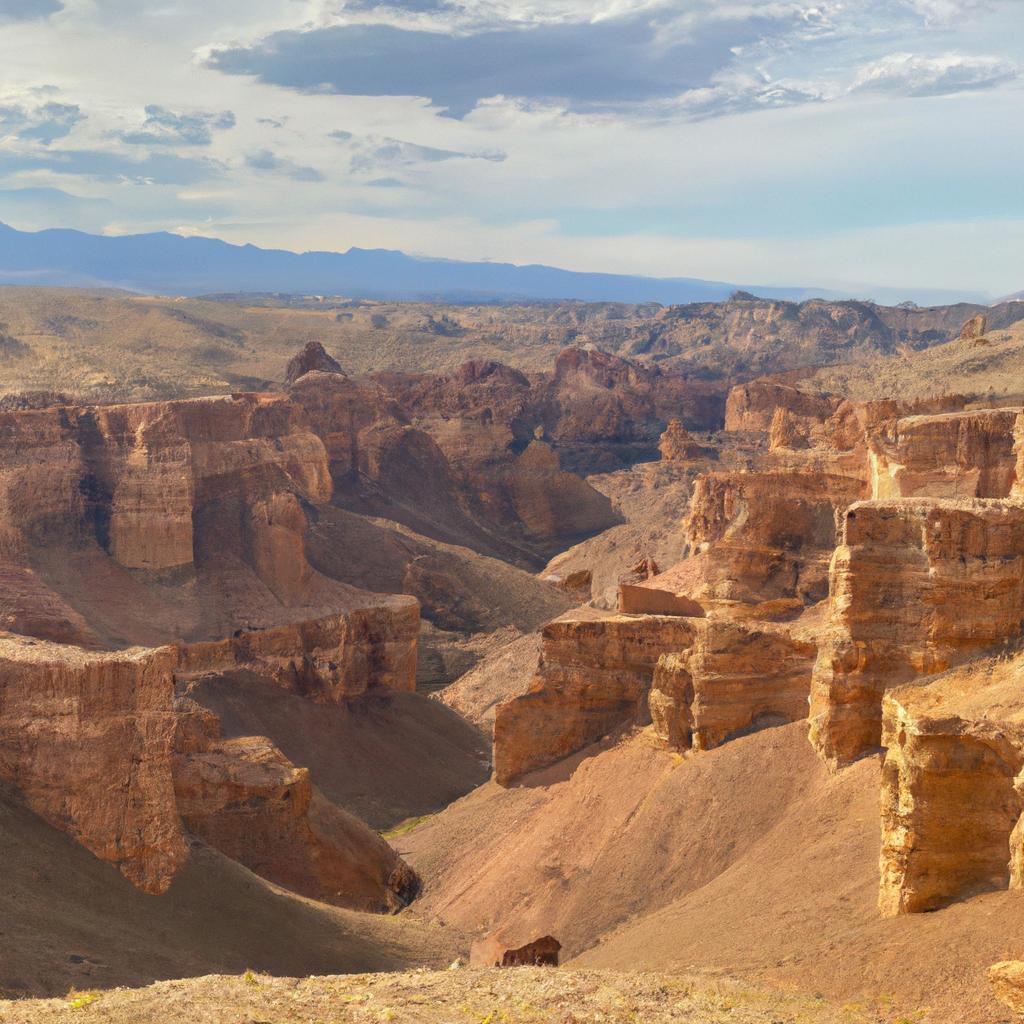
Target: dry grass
(455, 996)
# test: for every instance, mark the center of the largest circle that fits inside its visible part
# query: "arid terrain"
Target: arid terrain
(348, 650)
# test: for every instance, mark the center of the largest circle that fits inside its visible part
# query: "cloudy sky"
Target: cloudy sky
(838, 143)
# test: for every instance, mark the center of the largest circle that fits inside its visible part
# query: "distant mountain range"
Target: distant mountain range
(170, 264)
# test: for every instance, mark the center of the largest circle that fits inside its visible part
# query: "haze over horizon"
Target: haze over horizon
(738, 141)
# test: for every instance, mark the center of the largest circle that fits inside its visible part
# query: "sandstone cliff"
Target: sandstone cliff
(246, 799)
(916, 586)
(956, 455)
(87, 738)
(594, 676)
(736, 678)
(950, 806)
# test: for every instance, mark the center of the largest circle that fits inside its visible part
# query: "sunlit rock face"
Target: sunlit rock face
(917, 585)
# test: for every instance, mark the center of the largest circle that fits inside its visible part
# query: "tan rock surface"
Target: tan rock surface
(955, 455)
(736, 678)
(757, 538)
(594, 677)
(752, 406)
(917, 585)
(1007, 981)
(954, 748)
(677, 445)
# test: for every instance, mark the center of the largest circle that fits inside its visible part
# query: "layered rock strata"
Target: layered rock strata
(759, 542)
(752, 406)
(337, 657)
(951, 795)
(246, 799)
(916, 586)
(736, 678)
(87, 737)
(594, 677)
(955, 455)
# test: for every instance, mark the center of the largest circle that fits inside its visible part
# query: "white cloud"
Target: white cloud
(915, 75)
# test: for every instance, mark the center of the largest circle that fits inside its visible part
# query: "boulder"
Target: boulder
(495, 951)
(1007, 981)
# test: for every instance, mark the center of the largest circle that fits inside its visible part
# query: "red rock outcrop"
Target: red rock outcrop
(495, 951)
(974, 328)
(751, 406)
(243, 797)
(594, 677)
(136, 478)
(676, 444)
(312, 357)
(847, 427)
(788, 431)
(87, 738)
(553, 504)
(337, 657)
(760, 540)
(917, 585)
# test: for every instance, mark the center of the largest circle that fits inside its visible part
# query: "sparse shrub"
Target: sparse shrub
(76, 999)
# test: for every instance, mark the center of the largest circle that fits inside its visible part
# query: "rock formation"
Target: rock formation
(917, 585)
(330, 659)
(676, 444)
(760, 542)
(87, 738)
(949, 805)
(594, 676)
(735, 678)
(1007, 979)
(974, 328)
(751, 407)
(312, 357)
(953, 455)
(788, 431)
(495, 951)
(243, 797)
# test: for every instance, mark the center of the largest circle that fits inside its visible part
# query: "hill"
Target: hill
(172, 264)
(114, 346)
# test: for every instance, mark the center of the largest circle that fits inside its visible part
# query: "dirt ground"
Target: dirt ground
(752, 860)
(455, 996)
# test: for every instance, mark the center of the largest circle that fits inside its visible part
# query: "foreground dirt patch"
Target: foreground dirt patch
(520, 996)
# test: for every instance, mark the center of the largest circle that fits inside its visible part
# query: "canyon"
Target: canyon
(612, 661)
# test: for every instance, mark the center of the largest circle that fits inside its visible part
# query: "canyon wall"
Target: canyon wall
(950, 802)
(87, 737)
(736, 678)
(594, 677)
(917, 585)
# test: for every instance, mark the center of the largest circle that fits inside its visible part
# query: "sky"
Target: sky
(841, 144)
